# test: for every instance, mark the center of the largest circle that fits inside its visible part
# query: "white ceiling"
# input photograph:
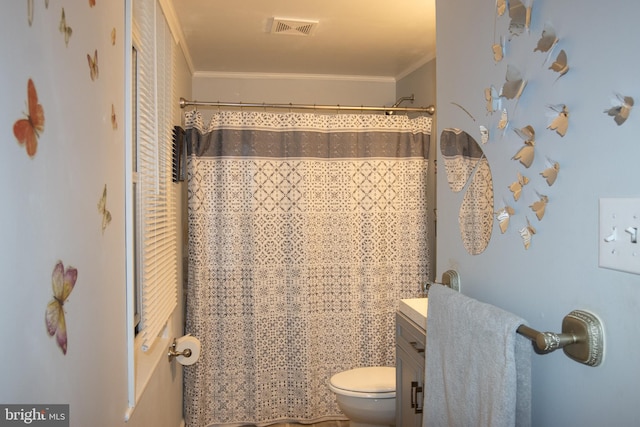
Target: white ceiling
(352, 38)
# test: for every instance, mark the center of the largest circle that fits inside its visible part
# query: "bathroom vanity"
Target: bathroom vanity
(411, 320)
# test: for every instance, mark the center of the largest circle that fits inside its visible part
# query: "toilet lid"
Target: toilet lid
(375, 379)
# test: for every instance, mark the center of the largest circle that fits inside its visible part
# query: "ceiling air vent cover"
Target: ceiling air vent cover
(293, 27)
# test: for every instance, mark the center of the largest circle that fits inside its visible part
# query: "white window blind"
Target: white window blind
(156, 213)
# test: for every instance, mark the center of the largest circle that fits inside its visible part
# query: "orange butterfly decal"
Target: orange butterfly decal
(114, 119)
(92, 3)
(62, 281)
(93, 65)
(28, 130)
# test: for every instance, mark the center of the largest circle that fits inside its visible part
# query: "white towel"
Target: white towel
(478, 369)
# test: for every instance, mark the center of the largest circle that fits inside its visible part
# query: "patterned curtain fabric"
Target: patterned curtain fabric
(304, 232)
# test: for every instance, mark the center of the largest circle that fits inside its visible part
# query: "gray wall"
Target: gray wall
(598, 159)
(291, 88)
(49, 213)
(421, 83)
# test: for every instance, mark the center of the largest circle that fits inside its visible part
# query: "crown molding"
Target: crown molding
(415, 66)
(176, 31)
(291, 76)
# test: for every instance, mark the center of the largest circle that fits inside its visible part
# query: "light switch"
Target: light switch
(618, 235)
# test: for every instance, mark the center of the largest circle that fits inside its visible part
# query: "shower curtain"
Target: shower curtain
(304, 232)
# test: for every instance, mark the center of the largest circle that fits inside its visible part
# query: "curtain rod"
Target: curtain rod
(429, 110)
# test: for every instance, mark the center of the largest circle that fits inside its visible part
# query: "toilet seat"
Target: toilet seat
(378, 382)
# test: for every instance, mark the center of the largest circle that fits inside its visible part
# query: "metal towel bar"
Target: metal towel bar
(581, 339)
(450, 278)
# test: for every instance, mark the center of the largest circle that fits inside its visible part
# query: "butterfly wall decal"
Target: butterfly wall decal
(30, 10)
(550, 174)
(492, 98)
(27, 131)
(484, 134)
(526, 154)
(93, 65)
(560, 65)
(548, 39)
(516, 186)
(498, 47)
(504, 120)
(514, 83)
(503, 216)
(102, 209)
(520, 15)
(498, 50)
(527, 233)
(62, 281)
(621, 110)
(65, 29)
(92, 3)
(560, 123)
(113, 36)
(540, 206)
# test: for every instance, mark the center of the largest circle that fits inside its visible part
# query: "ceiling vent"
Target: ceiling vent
(293, 27)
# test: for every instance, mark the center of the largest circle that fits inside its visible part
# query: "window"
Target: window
(156, 215)
(137, 297)
(151, 224)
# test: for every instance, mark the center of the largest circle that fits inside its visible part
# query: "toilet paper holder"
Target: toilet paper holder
(172, 354)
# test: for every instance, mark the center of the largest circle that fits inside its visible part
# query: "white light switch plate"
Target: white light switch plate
(619, 234)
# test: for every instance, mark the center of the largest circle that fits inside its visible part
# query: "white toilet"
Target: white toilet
(367, 396)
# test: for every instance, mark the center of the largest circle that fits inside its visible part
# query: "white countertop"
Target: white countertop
(416, 310)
